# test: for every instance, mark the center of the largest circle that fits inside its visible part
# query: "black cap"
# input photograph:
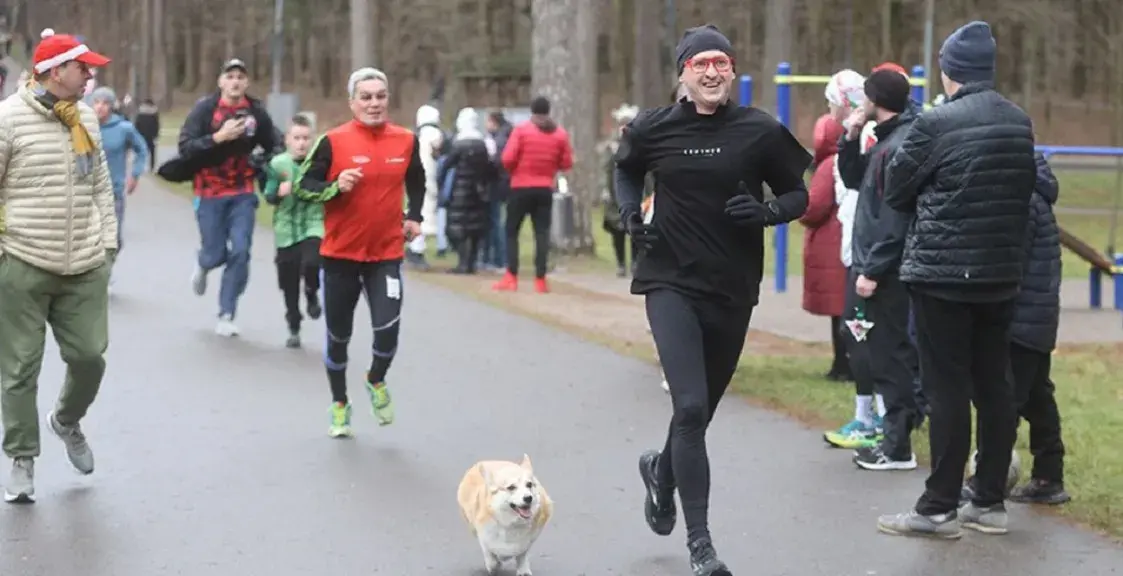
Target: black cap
(234, 64)
(540, 105)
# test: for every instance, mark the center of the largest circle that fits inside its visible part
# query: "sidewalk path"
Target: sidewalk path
(213, 458)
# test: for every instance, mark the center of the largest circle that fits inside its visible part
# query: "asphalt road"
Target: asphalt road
(213, 457)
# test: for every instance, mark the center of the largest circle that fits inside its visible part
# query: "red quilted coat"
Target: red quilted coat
(824, 277)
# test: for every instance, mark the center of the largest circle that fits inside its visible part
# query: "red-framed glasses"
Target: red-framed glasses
(720, 63)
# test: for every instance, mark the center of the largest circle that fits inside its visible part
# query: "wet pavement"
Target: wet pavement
(213, 457)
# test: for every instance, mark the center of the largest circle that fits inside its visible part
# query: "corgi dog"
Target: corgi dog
(506, 509)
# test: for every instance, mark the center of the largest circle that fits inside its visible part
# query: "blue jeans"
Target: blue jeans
(226, 231)
(119, 209)
(442, 225)
(495, 251)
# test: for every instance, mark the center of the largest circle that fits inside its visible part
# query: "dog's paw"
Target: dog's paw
(491, 564)
(522, 565)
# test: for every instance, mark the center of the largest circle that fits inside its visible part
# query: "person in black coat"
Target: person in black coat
(147, 122)
(468, 202)
(967, 171)
(1033, 336)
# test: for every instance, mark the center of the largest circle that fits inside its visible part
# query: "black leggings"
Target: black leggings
(857, 352)
(538, 204)
(294, 263)
(699, 345)
(344, 281)
(619, 237)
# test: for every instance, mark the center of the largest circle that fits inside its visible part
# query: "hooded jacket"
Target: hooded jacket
(824, 276)
(1038, 307)
(430, 139)
(118, 137)
(470, 156)
(536, 151)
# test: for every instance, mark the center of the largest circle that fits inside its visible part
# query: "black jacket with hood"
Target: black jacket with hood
(198, 150)
(1038, 309)
(879, 231)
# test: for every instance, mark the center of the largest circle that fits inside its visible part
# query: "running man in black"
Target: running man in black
(703, 258)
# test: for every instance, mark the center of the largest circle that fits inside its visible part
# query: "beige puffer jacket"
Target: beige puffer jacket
(53, 218)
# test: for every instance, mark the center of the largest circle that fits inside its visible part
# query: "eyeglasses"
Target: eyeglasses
(720, 63)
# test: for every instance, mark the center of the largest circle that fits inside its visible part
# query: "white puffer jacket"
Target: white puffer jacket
(53, 218)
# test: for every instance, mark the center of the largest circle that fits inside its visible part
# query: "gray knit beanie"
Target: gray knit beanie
(968, 54)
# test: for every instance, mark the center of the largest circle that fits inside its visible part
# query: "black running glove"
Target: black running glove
(643, 235)
(746, 210)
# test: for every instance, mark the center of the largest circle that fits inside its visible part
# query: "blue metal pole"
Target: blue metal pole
(918, 90)
(1118, 278)
(1095, 290)
(746, 90)
(784, 115)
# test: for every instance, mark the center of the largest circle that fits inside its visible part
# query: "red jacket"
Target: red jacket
(537, 150)
(824, 276)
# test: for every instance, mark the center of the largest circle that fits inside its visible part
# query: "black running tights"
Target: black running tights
(344, 282)
(699, 345)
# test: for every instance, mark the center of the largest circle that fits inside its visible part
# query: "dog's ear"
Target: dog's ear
(526, 464)
(483, 474)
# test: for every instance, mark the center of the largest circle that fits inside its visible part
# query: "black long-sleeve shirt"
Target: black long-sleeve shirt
(699, 162)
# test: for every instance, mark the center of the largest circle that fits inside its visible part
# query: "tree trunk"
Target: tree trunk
(161, 88)
(777, 46)
(585, 126)
(554, 65)
(360, 34)
(650, 86)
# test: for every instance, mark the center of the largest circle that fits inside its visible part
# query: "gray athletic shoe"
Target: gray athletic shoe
(199, 281)
(911, 523)
(20, 488)
(989, 520)
(77, 450)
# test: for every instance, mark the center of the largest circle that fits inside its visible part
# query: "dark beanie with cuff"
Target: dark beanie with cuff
(888, 89)
(701, 39)
(968, 54)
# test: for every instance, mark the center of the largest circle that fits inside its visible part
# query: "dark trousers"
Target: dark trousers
(619, 238)
(857, 353)
(1034, 393)
(468, 252)
(151, 155)
(840, 365)
(893, 364)
(344, 282)
(965, 353)
(538, 204)
(301, 261)
(699, 345)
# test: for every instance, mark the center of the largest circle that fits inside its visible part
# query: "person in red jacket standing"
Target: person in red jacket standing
(537, 150)
(824, 276)
(358, 171)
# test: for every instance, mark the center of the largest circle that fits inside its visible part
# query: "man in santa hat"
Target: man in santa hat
(58, 243)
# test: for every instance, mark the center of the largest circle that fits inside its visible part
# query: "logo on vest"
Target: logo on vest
(701, 152)
(360, 159)
(395, 160)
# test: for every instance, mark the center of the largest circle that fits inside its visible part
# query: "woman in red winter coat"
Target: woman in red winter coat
(824, 276)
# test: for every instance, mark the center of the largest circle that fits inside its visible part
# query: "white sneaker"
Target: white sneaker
(225, 326)
(199, 281)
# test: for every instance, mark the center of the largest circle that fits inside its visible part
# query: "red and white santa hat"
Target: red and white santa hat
(58, 49)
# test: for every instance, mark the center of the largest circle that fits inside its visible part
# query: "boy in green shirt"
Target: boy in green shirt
(298, 227)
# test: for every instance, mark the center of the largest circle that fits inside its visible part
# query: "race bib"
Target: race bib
(393, 288)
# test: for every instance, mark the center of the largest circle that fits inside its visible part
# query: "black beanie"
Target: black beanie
(968, 54)
(540, 105)
(888, 89)
(700, 39)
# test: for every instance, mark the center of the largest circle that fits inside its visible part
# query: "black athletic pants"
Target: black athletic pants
(538, 203)
(619, 238)
(699, 345)
(381, 284)
(151, 144)
(893, 364)
(468, 252)
(857, 352)
(965, 353)
(840, 365)
(301, 261)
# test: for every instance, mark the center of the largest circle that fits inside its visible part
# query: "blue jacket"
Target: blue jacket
(118, 136)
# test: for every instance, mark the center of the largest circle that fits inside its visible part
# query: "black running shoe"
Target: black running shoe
(704, 560)
(659, 512)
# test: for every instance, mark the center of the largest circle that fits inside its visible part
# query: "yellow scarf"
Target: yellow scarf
(84, 146)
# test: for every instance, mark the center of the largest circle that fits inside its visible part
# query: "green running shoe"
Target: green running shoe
(381, 405)
(340, 420)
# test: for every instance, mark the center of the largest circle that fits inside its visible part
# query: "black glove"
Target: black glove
(643, 235)
(746, 210)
